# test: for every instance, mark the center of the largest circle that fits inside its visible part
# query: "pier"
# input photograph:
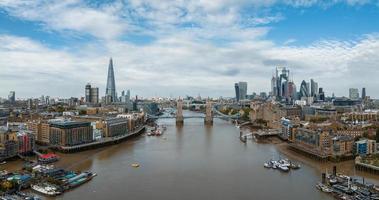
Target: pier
(265, 133)
(366, 167)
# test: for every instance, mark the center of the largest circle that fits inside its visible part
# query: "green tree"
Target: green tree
(82, 112)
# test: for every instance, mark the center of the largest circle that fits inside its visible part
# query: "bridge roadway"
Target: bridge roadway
(186, 117)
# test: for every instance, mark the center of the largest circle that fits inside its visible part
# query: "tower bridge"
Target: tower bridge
(211, 112)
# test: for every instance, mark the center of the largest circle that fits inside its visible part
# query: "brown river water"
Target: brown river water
(195, 161)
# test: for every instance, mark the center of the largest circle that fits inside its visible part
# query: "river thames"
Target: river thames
(193, 161)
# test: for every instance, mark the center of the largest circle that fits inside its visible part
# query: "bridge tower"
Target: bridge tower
(208, 113)
(179, 112)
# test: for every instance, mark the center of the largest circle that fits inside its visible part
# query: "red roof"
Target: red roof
(47, 156)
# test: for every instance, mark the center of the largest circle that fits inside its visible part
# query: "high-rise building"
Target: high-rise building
(273, 87)
(237, 89)
(363, 93)
(92, 94)
(110, 91)
(291, 91)
(314, 88)
(304, 91)
(321, 94)
(125, 96)
(242, 90)
(353, 93)
(12, 97)
(30, 104)
(279, 83)
(88, 93)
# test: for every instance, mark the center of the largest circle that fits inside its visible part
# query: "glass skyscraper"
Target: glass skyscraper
(111, 86)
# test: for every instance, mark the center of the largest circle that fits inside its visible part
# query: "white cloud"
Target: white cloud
(72, 15)
(205, 58)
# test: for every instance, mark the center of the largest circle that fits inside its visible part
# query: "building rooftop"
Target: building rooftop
(68, 124)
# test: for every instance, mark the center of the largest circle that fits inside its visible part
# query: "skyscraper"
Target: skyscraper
(242, 90)
(314, 88)
(110, 92)
(279, 83)
(92, 94)
(237, 89)
(353, 93)
(291, 91)
(321, 94)
(304, 91)
(88, 93)
(12, 97)
(363, 93)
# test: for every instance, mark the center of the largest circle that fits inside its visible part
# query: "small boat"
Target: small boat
(267, 165)
(135, 165)
(323, 188)
(46, 189)
(3, 163)
(283, 168)
(333, 181)
(294, 166)
(376, 188)
(274, 164)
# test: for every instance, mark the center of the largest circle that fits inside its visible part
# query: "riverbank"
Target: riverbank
(345, 167)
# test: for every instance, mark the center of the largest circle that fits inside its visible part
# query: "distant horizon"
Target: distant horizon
(180, 48)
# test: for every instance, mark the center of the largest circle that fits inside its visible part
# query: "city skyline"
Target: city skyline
(201, 47)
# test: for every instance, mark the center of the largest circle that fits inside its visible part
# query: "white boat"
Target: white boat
(267, 165)
(324, 188)
(47, 190)
(283, 168)
(332, 181)
(284, 162)
(274, 164)
(3, 163)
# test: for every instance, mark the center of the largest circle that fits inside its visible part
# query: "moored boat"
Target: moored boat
(46, 189)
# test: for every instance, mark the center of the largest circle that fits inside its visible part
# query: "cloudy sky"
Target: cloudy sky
(179, 47)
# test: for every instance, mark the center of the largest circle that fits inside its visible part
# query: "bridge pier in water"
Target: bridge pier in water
(179, 112)
(208, 120)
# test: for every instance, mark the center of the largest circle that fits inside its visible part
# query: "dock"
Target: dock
(266, 133)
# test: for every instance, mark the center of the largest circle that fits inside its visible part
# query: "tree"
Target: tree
(377, 135)
(82, 112)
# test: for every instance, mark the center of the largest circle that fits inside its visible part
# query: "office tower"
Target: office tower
(92, 94)
(95, 95)
(110, 92)
(304, 89)
(273, 87)
(363, 93)
(353, 93)
(237, 89)
(88, 93)
(30, 104)
(321, 94)
(12, 97)
(314, 88)
(47, 100)
(125, 96)
(291, 91)
(279, 83)
(242, 90)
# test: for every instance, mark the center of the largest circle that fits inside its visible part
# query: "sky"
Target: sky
(186, 47)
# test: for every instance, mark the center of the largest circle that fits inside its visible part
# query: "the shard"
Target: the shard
(111, 86)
